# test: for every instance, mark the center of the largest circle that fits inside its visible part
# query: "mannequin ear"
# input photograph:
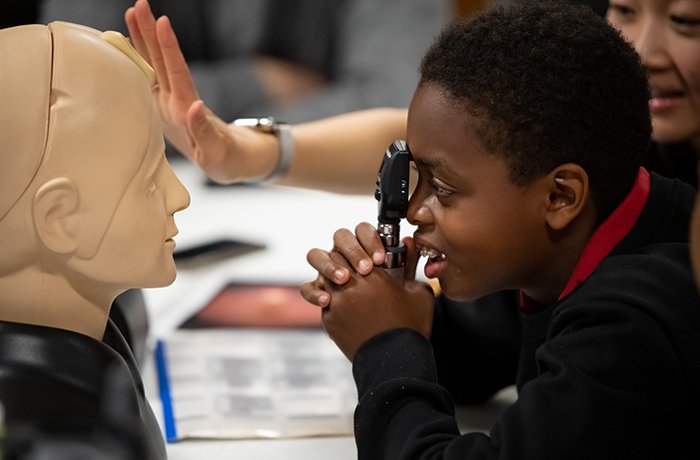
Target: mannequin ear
(56, 215)
(568, 195)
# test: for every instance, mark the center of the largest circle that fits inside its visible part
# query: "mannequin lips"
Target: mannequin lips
(170, 240)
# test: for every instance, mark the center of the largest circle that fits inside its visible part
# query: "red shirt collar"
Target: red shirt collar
(604, 239)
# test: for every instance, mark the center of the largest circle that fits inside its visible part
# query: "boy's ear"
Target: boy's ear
(568, 195)
(55, 210)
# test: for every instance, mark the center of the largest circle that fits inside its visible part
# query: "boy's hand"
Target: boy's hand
(359, 252)
(226, 153)
(360, 302)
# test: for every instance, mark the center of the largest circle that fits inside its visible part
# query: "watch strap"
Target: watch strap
(285, 149)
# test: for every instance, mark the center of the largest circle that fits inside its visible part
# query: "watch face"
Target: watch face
(266, 124)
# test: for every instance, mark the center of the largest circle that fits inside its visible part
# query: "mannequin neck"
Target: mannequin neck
(33, 296)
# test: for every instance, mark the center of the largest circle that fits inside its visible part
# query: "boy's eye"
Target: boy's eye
(440, 190)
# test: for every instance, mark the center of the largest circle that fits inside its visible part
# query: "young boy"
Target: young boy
(527, 130)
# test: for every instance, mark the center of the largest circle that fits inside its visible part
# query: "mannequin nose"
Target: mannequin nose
(178, 196)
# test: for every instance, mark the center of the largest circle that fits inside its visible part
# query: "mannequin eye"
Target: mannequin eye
(152, 187)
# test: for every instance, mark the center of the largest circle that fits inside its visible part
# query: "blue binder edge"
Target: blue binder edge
(164, 389)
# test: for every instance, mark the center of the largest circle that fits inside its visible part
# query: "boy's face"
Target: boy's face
(481, 232)
(666, 34)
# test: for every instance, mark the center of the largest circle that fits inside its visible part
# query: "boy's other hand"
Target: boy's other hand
(359, 302)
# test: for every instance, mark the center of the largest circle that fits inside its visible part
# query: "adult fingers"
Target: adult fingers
(147, 26)
(198, 126)
(135, 34)
(176, 68)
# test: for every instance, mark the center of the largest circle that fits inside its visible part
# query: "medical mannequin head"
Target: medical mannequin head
(86, 195)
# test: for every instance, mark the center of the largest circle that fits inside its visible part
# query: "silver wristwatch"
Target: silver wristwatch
(284, 136)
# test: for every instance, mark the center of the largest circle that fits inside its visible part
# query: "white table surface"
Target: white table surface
(288, 222)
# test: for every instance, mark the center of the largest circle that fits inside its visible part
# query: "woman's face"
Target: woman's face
(666, 34)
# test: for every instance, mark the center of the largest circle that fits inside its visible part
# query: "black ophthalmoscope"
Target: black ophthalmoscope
(392, 195)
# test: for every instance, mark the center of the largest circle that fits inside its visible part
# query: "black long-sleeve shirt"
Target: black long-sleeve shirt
(612, 370)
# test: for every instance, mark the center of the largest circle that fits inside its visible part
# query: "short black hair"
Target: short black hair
(552, 83)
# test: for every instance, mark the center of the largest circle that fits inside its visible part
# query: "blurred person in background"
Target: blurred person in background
(666, 34)
(296, 60)
(599, 6)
